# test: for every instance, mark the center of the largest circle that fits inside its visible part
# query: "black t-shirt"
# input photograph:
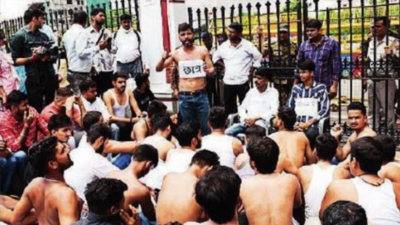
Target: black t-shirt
(143, 99)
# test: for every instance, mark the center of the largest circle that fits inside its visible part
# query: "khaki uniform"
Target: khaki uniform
(283, 50)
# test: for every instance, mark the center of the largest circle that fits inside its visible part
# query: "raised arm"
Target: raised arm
(166, 60)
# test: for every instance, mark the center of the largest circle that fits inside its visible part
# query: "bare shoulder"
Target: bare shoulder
(304, 171)
(368, 132)
(191, 223)
(339, 185)
(341, 173)
(290, 178)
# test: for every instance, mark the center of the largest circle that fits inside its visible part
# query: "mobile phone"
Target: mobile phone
(109, 40)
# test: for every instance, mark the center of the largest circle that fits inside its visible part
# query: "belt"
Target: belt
(191, 93)
(70, 71)
(128, 62)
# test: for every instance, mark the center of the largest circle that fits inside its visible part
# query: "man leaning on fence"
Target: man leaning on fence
(325, 53)
(381, 66)
(31, 48)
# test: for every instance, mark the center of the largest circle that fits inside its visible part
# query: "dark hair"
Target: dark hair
(59, 121)
(368, 153)
(64, 92)
(86, 85)
(205, 158)
(40, 153)
(357, 106)
(218, 193)
(325, 145)
(173, 223)
(80, 17)
(308, 65)
(98, 130)
(31, 13)
(119, 75)
(344, 213)
(146, 153)
(385, 19)
(265, 73)
(237, 27)
(156, 108)
(184, 27)
(288, 116)
(38, 6)
(255, 131)
(264, 152)
(388, 147)
(91, 118)
(186, 132)
(160, 122)
(15, 98)
(217, 117)
(141, 79)
(125, 17)
(104, 193)
(96, 11)
(313, 23)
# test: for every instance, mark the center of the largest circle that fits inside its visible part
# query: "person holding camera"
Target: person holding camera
(32, 49)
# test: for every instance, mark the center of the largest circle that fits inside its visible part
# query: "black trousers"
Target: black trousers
(41, 90)
(231, 93)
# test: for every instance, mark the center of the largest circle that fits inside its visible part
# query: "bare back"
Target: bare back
(293, 144)
(190, 84)
(176, 201)
(270, 199)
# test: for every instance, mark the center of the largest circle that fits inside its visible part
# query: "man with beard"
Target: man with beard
(95, 44)
(238, 56)
(357, 120)
(52, 199)
(194, 64)
(41, 81)
(143, 160)
(259, 106)
(89, 163)
(325, 53)
(118, 101)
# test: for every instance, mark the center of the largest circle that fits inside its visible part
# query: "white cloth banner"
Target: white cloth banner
(306, 107)
(191, 69)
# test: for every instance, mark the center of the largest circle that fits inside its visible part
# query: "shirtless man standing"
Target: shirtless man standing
(142, 128)
(298, 147)
(53, 200)
(357, 120)
(316, 178)
(194, 64)
(143, 160)
(269, 198)
(378, 196)
(118, 100)
(176, 201)
(390, 166)
(218, 193)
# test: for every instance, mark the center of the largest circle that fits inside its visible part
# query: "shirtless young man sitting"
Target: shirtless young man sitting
(194, 64)
(390, 166)
(218, 193)
(176, 201)
(357, 120)
(378, 196)
(293, 144)
(143, 128)
(143, 160)
(52, 199)
(269, 198)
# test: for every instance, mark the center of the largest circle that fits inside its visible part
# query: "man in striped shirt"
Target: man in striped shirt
(325, 53)
(310, 101)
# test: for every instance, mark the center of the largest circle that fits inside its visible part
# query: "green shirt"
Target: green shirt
(21, 49)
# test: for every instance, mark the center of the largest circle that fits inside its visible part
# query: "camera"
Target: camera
(47, 49)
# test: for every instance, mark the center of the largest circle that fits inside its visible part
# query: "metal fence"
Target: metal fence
(349, 24)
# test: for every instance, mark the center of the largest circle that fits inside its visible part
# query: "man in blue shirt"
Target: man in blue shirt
(310, 101)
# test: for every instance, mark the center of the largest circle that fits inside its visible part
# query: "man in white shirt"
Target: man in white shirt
(381, 61)
(78, 67)
(89, 164)
(238, 56)
(94, 46)
(260, 104)
(128, 49)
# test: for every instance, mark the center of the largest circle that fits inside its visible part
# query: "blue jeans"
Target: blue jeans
(122, 160)
(14, 165)
(312, 133)
(195, 107)
(114, 132)
(235, 129)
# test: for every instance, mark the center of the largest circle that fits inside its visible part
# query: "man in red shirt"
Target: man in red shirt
(21, 124)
